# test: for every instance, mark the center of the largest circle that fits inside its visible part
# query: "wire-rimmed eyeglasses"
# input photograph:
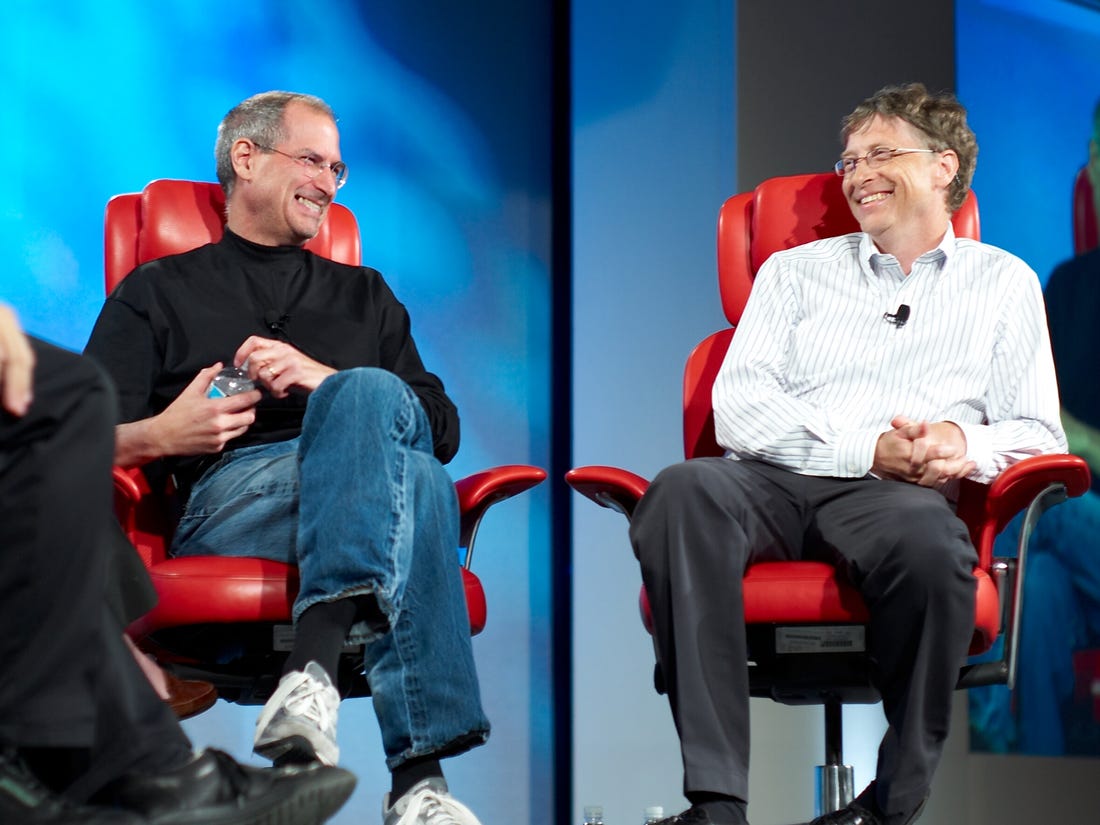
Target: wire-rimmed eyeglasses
(339, 169)
(875, 158)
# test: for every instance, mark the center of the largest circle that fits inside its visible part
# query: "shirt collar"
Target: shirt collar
(260, 252)
(871, 260)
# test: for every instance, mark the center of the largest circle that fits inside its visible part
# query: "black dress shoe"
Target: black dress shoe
(853, 814)
(857, 814)
(695, 815)
(692, 816)
(214, 789)
(25, 800)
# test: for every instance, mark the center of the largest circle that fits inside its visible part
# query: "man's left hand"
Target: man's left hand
(279, 367)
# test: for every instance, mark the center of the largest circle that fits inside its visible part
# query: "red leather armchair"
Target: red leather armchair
(778, 214)
(227, 619)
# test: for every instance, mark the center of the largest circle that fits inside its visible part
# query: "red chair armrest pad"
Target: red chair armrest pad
(608, 486)
(480, 491)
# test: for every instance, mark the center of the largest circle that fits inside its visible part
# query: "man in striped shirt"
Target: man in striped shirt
(869, 374)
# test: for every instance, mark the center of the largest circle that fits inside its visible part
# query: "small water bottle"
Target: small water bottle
(230, 381)
(593, 815)
(653, 814)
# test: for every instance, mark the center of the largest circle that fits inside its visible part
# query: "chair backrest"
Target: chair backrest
(1086, 233)
(172, 216)
(778, 214)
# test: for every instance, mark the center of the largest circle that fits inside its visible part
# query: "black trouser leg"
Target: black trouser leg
(698, 526)
(703, 521)
(67, 680)
(913, 562)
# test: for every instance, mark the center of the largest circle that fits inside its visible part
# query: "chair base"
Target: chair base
(242, 661)
(835, 788)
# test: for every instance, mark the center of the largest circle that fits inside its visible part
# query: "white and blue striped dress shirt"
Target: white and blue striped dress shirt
(815, 372)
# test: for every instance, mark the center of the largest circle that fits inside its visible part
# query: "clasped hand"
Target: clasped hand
(928, 454)
(279, 367)
(195, 424)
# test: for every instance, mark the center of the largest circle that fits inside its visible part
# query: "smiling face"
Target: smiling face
(276, 200)
(902, 204)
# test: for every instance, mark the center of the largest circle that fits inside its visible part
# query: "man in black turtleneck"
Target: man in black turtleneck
(327, 464)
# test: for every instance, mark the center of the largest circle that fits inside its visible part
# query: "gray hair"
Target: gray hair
(259, 119)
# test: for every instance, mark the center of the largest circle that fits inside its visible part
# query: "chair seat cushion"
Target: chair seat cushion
(809, 592)
(208, 589)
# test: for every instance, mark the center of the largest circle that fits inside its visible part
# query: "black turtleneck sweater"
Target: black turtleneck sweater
(172, 317)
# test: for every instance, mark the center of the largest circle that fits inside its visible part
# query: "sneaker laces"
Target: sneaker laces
(308, 700)
(431, 807)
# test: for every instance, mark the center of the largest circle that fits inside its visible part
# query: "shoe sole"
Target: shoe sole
(319, 794)
(291, 750)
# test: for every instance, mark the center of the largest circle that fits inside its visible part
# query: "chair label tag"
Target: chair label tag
(821, 639)
(282, 637)
(282, 640)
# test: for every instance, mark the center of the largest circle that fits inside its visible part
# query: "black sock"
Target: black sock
(721, 808)
(320, 635)
(407, 774)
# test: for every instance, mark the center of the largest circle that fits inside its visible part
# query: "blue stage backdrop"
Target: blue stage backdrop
(1029, 73)
(444, 113)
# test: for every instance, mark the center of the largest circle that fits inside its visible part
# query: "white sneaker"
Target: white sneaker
(298, 723)
(428, 802)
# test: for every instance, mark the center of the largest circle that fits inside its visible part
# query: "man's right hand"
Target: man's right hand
(928, 454)
(193, 424)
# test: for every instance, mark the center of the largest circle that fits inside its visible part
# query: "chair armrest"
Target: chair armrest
(1015, 488)
(989, 509)
(130, 487)
(130, 482)
(1031, 486)
(480, 491)
(140, 513)
(618, 490)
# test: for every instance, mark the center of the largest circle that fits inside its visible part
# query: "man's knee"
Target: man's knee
(369, 385)
(669, 494)
(370, 396)
(682, 496)
(932, 548)
(686, 484)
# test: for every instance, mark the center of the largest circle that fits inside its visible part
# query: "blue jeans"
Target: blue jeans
(1061, 613)
(362, 506)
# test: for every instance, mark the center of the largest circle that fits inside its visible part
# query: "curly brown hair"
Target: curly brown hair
(940, 117)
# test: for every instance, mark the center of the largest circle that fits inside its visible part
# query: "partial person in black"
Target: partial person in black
(83, 737)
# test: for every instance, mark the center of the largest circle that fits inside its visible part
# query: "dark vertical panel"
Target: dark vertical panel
(804, 64)
(561, 404)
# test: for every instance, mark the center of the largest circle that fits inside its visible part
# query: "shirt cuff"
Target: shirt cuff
(979, 449)
(855, 453)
